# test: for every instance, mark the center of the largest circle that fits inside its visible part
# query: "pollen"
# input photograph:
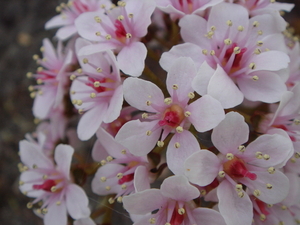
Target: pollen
(121, 17)
(241, 194)
(145, 115)
(227, 41)
(187, 114)
(119, 175)
(257, 51)
(191, 95)
(103, 179)
(221, 174)
(259, 43)
(262, 217)
(148, 132)
(283, 207)
(130, 15)
(93, 95)
(258, 155)
(123, 151)
(252, 66)
(269, 186)
(120, 199)
(177, 145)
(108, 37)
(255, 24)
(111, 200)
(179, 129)
(99, 70)
(73, 77)
(96, 84)
(44, 210)
(212, 52)
(109, 158)
(296, 121)
(238, 187)
(175, 86)
(181, 211)
(98, 33)
(167, 101)
(266, 157)
(271, 170)
(128, 35)
(229, 23)
(148, 103)
(255, 78)
(229, 156)
(107, 188)
(240, 28)
(160, 144)
(103, 162)
(29, 205)
(53, 189)
(237, 50)
(123, 186)
(97, 19)
(256, 193)
(152, 220)
(242, 148)
(204, 51)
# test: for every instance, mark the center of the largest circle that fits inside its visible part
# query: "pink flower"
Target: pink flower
(52, 79)
(253, 166)
(69, 13)
(120, 29)
(168, 115)
(174, 203)
(97, 91)
(179, 8)
(121, 172)
(52, 184)
(294, 71)
(238, 57)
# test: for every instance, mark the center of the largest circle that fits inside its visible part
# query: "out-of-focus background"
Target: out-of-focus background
(21, 34)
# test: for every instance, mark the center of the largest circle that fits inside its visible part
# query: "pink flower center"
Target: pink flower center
(46, 186)
(237, 58)
(186, 6)
(126, 178)
(176, 219)
(120, 31)
(262, 207)
(99, 88)
(172, 116)
(236, 168)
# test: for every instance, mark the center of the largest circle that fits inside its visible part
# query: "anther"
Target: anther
(93, 95)
(119, 175)
(229, 23)
(175, 86)
(212, 52)
(40, 69)
(130, 15)
(121, 3)
(241, 148)
(79, 102)
(266, 157)
(297, 155)
(80, 111)
(238, 187)
(203, 192)
(73, 77)
(256, 193)
(241, 194)
(255, 78)
(99, 70)
(108, 37)
(53, 189)
(97, 19)
(107, 188)
(271, 170)
(120, 199)
(145, 115)
(181, 211)
(240, 28)
(167, 101)
(269, 205)
(79, 70)
(269, 186)
(29, 205)
(187, 114)
(103, 162)
(32, 94)
(213, 28)
(257, 51)
(177, 145)
(204, 52)
(123, 186)
(221, 174)
(45, 177)
(260, 32)
(96, 84)
(98, 33)
(259, 43)
(262, 217)
(34, 166)
(30, 88)
(258, 155)
(111, 200)
(123, 151)
(121, 17)
(283, 207)
(191, 95)
(179, 129)
(227, 41)
(58, 202)
(39, 81)
(160, 144)
(128, 35)
(252, 66)
(103, 179)
(44, 210)
(296, 121)
(255, 24)
(152, 220)
(272, 1)
(109, 158)
(148, 103)
(293, 160)
(229, 156)
(29, 75)
(21, 183)
(237, 50)
(148, 132)
(35, 57)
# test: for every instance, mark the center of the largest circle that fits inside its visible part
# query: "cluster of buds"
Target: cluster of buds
(199, 96)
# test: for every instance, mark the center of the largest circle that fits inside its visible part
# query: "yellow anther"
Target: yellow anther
(175, 86)
(130, 15)
(181, 211)
(99, 70)
(73, 77)
(260, 32)
(266, 157)
(148, 103)
(255, 24)
(258, 155)
(29, 205)
(187, 114)
(44, 210)
(229, 23)
(93, 95)
(80, 111)
(262, 217)
(167, 101)
(123, 151)
(123, 186)
(121, 17)
(58, 202)
(241, 194)
(238, 187)
(97, 19)
(179, 129)
(177, 145)
(21, 183)
(145, 115)
(160, 144)
(128, 35)
(120, 199)
(108, 37)
(255, 78)
(229, 156)
(29, 75)
(107, 188)
(256, 193)
(204, 52)
(252, 66)
(237, 50)
(240, 28)
(35, 57)
(103, 162)
(212, 52)
(213, 28)
(53, 189)
(259, 43)
(241, 148)
(98, 33)
(257, 51)
(79, 102)
(227, 41)
(103, 179)
(148, 132)
(119, 175)
(191, 95)
(79, 70)
(221, 174)
(269, 186)
(109, 158)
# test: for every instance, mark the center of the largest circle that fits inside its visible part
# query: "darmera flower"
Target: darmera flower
(51, 183)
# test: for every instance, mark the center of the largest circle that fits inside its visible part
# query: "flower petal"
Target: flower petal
(63, 157)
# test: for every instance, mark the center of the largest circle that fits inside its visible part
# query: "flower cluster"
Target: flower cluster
(201, 97)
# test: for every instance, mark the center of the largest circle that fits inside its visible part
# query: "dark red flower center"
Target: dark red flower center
(46, 186)
(172, 116)
(177, 218)
(236, 168)
(237, 57)
(126, 178)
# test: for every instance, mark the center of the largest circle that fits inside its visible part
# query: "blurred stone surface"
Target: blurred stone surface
(21, 33)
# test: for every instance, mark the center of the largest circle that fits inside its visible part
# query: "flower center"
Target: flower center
(96, 84)
(177, 218)
(262, 207)
(237, 57)
(46, 186)
(120, 31)
(236, 168)
(172, 116)
(126, 178)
